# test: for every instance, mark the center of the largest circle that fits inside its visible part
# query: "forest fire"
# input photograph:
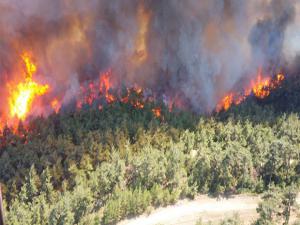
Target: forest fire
(109, 109)
(260, 87)
(104, 91)
(22, 94)
(101, 53)
(143, 56)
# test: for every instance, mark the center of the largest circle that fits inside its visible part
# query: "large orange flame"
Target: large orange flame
(22, 95)
(106, 86)
(261, 88)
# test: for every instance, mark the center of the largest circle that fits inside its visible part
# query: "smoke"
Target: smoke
(268, 35)
(198, 50)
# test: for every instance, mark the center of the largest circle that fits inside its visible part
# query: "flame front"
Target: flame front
(226, 102)
(22, 95)
(261, 88)
(107, 89)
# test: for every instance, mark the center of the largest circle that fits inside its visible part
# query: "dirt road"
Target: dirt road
(208, 209)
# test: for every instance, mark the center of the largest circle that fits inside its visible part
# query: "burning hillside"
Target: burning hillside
(260, 87)
(23, 94)
(185, 54)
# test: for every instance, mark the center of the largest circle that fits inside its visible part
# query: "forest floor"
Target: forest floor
(187, 212)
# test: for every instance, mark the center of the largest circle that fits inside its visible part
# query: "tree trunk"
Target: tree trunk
(1, 209)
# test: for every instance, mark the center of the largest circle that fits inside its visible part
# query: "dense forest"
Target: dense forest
(94, 166)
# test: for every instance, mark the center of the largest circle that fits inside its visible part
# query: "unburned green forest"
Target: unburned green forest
(96, 166)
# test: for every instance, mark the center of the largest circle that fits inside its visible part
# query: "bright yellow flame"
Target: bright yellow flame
(23, 94)
(30, 66)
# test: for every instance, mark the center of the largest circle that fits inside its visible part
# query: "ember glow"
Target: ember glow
(23, 94)
(107, 92)
(55, 104)
(157, 112)
(260, 87)
(135, 97)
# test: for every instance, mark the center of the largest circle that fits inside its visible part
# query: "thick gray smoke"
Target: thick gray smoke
(267, 37)
(198, 50)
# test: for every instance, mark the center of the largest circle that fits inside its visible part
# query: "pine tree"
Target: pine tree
(289, 202)
(46, 185)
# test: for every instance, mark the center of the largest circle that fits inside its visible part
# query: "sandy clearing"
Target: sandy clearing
(208, 209)
(188, 212)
